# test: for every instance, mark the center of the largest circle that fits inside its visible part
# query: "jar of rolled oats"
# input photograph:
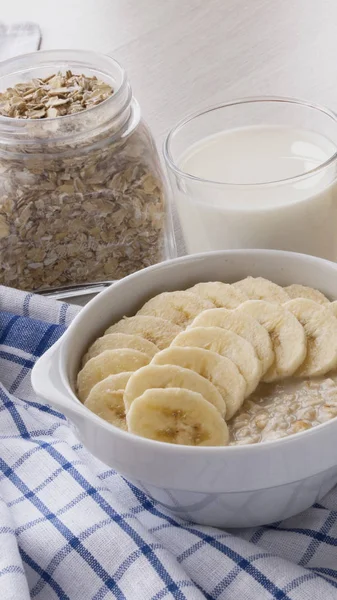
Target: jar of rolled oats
(82, 195)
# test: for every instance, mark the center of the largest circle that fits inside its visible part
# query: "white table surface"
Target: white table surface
(183, 55)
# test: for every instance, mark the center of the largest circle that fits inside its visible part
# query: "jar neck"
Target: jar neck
(110, 118)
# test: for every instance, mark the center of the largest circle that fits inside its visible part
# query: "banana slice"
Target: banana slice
(321, 330)
(106, 399)
(171, 376)
(178, 307)
(258, 288)
(158, 331)
(109, 362)
(177, 416)
(115, 341)
(302, 291)
(221, 371)
(222, 295)
(244, 326)
(333, 308)
(286, 333)
(228, 344)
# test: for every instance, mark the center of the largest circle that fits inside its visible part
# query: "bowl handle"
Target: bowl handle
(47, 383)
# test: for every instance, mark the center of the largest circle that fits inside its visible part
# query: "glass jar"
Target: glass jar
(82, 196)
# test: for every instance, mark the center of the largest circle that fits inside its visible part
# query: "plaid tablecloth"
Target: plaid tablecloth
(71, 528)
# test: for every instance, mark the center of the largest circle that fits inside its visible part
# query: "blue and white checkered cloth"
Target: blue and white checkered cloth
(72, 529)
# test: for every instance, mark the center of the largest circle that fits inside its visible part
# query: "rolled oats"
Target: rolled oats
(84, 210)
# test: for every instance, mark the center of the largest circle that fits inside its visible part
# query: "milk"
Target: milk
(292, 214)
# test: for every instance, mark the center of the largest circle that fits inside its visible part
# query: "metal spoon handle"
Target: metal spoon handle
(71, 291)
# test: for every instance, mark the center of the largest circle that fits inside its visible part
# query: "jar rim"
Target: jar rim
(115, 105)
(172, 164)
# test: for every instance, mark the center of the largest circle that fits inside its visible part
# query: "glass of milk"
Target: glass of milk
(257, 173)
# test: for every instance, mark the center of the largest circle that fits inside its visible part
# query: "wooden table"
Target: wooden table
(182, 55)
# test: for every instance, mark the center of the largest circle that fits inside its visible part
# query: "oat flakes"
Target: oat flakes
(75, 208)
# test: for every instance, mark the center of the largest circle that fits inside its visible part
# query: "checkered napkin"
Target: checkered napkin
(73, 529)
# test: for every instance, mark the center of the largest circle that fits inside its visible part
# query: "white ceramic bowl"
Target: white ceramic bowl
(221, 486)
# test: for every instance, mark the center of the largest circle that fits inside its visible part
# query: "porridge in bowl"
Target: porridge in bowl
(280, 409)
(218, 364)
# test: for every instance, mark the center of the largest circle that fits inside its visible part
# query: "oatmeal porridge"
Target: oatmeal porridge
(218, 364)
(289, 406)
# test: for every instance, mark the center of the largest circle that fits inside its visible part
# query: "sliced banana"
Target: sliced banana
(258, 288)
(106, 399)
(158, 331)
(321, 330)
(171, 376)
(302, 291)
(244, 326)
(228, 344)
(221, 371)
(333, 308)
(115, 341)
(108, 363)
(178, 307)
(177, 416)
(222, 295)
(286, 333)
